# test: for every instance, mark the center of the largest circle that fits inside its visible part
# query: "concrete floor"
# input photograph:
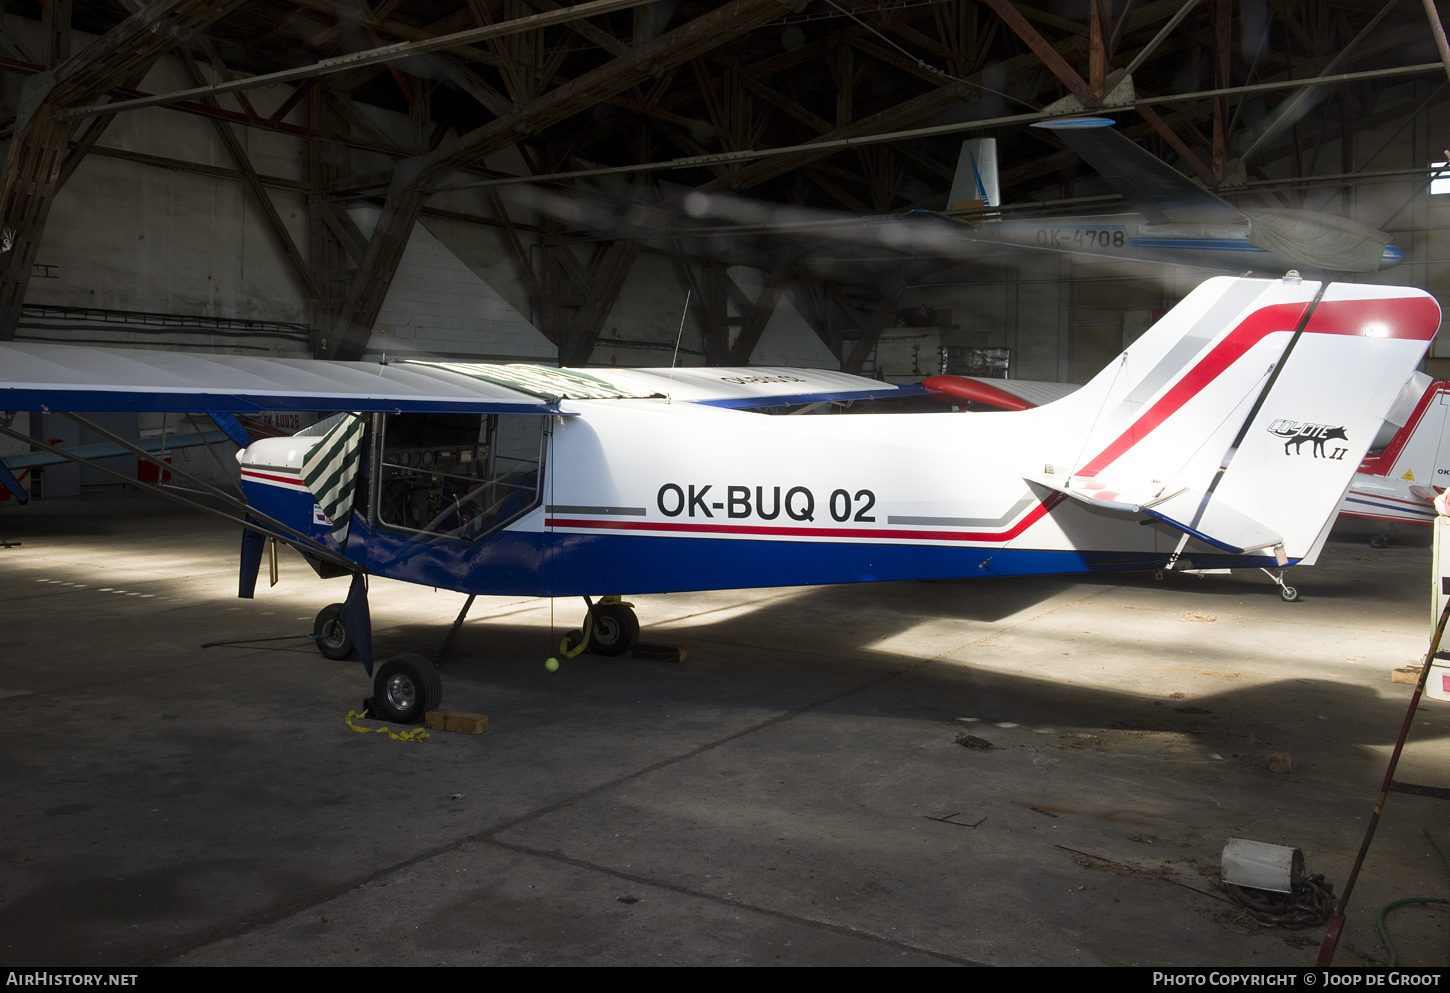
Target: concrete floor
(791, 794)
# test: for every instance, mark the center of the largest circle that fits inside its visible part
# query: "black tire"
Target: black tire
(332, 638)
(405, 688)
(1289, 593)
(614, 631)
(1378, 540)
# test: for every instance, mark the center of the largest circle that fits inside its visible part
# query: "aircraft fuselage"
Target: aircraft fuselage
(1221, 247)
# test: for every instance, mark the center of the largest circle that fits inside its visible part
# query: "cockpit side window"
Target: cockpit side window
(459, 476)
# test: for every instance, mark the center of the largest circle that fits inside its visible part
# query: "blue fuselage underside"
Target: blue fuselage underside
(548, 563)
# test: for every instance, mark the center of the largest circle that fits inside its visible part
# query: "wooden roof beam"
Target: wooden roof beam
(406, 199)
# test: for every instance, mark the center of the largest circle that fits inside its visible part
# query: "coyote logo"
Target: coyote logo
(1296, 433)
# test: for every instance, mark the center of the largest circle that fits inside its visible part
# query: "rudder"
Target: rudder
(1297, 455)
(1241, 417)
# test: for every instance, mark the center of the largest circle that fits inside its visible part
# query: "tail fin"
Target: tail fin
(1240, 418)
(975, 182)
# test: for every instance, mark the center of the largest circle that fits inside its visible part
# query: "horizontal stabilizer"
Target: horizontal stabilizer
(1085, 489)
(1208, 519)
(1214, 522)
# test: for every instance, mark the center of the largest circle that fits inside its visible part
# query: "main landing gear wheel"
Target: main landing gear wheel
(405, 688)
(615, 629)
(332, 638)
(1378, 540)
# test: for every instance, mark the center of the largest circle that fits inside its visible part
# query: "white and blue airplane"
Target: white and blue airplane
(533, 481)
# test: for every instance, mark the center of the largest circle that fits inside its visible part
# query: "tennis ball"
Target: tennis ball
(551, 664)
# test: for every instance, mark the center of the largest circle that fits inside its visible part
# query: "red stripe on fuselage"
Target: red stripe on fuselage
(293, 480)
(1031, 518)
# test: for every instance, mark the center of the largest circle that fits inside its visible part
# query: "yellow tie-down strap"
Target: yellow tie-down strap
(417, 734)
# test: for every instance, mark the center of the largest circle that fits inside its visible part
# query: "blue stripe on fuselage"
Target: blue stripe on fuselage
(533, 563)
(1198, 244)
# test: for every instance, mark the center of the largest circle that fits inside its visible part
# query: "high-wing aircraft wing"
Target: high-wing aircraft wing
(67, 377)
(51, 376)
(755, 386)
(1160, 192)
(1184, 217)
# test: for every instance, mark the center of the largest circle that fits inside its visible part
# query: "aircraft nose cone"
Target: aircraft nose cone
(1392, 257)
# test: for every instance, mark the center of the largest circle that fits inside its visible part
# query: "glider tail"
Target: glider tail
(975, 184)
(1241, 417)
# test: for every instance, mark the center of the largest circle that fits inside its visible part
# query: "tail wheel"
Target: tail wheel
(405, 688)
(332, 638)
(614, 629)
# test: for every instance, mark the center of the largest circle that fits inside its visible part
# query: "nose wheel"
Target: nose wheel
(331, 637)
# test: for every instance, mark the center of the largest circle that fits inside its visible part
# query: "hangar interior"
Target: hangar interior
(512, 181)
(249, 220)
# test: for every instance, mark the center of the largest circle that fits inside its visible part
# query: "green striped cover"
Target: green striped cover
(330, 472)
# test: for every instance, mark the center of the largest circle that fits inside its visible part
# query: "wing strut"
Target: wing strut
(212, 491)
(298, 539)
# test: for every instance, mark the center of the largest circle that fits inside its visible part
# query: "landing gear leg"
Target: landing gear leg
(453, 631)
(1289, 593)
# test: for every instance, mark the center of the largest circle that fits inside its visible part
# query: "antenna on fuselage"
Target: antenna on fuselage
(676, 357)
